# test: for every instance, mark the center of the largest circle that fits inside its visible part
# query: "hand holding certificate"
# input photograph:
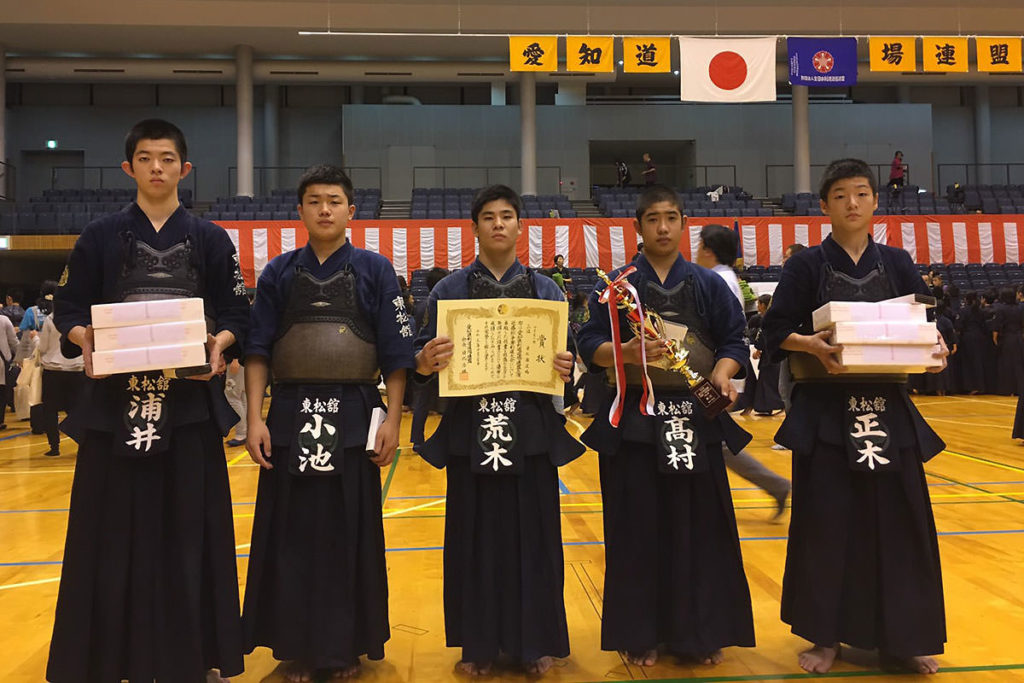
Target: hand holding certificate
(502, 345)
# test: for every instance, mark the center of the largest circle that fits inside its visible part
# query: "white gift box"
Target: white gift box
(866, 311)
(130, 313)
(148, 358)
(141, 336)
(887, 358)
(884, 332)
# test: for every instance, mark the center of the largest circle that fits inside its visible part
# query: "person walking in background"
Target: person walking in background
(8, 343)
(650, 171)
(63, 377)
(622, 174)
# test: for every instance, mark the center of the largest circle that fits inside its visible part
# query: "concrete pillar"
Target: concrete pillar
(357, 94)
(572, 93)
(497, 93)
(801, 140)
(244, 117)
(982, 134)
(528, 131)
(270, 136)
(903, 94)
(4, 185)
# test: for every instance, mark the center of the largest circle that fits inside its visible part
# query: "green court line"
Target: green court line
(391, 474)
(1006, 499)
(833, 674)
(987, 460)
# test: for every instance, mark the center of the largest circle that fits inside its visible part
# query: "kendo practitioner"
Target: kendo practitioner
(503, 565)
(862, 564)
(328, 319)
(149, 588)
(674, 577)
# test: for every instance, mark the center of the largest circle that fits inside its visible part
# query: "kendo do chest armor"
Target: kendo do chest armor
(325, 338)
(677, 305)
(519, 287)
(834, 285)
(148, 274)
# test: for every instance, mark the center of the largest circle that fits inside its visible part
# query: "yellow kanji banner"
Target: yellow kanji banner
(893, 53)
(533, 53)
(999, 54)
(646, 55)
(590, 53)
(944, 53)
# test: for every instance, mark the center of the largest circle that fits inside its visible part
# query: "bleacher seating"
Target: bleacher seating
(620, 202)
(280, 206)
(430, 203)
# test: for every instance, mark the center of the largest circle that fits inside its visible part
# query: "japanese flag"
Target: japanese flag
(727, 69)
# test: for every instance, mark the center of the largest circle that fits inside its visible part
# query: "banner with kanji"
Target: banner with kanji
(822, 62)
(893, 53)
(609, 243)
(1001, 55)
(533, 53)
(944, 54)
(646, 55)
(590, 53)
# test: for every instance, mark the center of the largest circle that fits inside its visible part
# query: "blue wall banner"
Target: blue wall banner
(822, 62)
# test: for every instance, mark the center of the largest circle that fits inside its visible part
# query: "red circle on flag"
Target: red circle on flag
(823, 61)
(728, 70)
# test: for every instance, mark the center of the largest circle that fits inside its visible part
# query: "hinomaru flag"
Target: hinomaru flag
(645, 55)
(727, 69)
(590, 53)
(533, 53)
(944, 53)
(893, 53)
(999, 54)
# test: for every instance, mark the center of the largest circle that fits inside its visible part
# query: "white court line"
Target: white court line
(969, 424)
(28, 583)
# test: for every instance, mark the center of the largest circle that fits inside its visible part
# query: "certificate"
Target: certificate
(502, 345)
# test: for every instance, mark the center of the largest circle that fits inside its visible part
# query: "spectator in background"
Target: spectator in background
(622, 174)
(559, 274)
(12, 308)
(650, 171)
(8, 343)
(63, 378)
(234, 392)
(975, 346)
(1007, 331)
(896, 173)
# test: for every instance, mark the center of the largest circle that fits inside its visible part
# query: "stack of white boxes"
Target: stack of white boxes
(891, 336)
(140, 336)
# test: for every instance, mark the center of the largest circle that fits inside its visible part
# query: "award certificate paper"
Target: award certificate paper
(502, 345)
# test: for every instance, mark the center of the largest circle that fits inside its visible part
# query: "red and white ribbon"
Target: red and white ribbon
(609, 297)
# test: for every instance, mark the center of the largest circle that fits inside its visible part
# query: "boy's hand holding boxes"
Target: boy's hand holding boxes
(141, 336)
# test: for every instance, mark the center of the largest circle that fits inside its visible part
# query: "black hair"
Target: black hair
(1008, 295)
(47, 289)
(795, 248)
(16, 294)
(435, 275)
(325, 174)
(655, 194)
(990, 295)
(721, 241)
(953, 290)
(155, 129)
(841, 169)
(493, 194)
(558, 256)
(971, 300)
(765, 300)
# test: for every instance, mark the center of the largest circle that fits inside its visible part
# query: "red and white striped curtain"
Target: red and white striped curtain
(609, 243)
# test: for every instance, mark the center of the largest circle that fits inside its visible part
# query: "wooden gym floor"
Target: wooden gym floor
(977, 489)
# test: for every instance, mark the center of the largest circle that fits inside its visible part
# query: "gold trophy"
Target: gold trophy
(675, 358)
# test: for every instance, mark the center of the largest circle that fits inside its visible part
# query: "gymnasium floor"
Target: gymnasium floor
(977, 488)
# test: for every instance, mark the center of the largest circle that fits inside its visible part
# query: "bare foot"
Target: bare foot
(473, 668)
(920, 665)
(714, 659)
(296, 673)
(648, 658)
(539, 667)
(343, 673)
(818, 659)
(213, 676)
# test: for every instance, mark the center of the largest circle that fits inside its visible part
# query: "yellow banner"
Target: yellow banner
(999, 54)
(893, 53)
(643, 55)
(590, 53)
(944, 53)
(533, 53)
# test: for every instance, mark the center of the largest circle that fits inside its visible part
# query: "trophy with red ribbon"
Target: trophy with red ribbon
(621, 295)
